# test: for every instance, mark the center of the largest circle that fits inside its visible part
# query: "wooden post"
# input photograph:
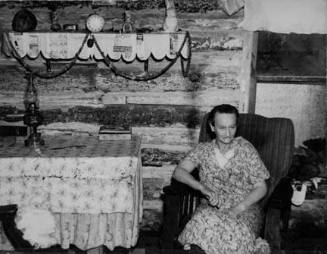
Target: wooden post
(247, 78)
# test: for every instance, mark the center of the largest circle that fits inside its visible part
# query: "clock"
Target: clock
(94, 23)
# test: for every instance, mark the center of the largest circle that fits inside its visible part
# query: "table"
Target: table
(93, 188)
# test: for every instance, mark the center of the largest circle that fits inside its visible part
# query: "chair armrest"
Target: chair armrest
(178, 188)
(277, 209)
(281, 195)
(180, 202)
(172, 206)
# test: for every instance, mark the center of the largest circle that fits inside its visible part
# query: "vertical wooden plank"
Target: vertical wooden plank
(247, 77)
(326, 109)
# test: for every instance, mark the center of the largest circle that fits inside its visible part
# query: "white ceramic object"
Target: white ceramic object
(299, 195)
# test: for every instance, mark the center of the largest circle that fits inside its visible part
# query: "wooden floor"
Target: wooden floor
(149, 244)
(155, 251)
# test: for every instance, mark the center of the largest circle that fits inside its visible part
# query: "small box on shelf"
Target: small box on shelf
(110, 133)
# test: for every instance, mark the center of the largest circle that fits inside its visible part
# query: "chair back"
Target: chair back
(272, 137)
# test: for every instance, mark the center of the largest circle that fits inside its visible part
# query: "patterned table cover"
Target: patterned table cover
(93, 187)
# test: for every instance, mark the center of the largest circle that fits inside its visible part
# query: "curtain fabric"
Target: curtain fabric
(286, 16)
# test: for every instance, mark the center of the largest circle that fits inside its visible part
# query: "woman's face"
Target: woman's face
(225, 127)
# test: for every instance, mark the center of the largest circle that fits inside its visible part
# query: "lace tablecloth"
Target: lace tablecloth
(93, 188)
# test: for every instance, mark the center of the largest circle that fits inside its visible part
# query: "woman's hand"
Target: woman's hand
(235, 211)
(210, 195)
(238, 209)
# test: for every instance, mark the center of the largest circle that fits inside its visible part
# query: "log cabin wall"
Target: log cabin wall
(165, 111)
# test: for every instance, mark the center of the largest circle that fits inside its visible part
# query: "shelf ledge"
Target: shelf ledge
(127, 47)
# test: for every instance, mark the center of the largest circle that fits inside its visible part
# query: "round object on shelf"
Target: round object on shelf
(24, 21)
(95, 23)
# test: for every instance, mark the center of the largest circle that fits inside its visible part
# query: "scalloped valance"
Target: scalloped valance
(127, 47)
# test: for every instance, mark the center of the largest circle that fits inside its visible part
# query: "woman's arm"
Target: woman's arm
(182, 174)
(259, 191)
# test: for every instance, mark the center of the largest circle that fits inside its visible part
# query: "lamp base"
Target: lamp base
(34, 139)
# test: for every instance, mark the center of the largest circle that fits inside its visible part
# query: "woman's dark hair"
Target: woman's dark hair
(224, 109)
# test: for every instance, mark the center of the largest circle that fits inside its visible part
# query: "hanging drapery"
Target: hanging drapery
(286, 16)
(115, 46)
(100, 46)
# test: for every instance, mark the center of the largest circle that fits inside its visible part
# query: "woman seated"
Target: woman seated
(232, 178)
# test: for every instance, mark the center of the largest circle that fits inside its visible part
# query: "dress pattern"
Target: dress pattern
(213, 229)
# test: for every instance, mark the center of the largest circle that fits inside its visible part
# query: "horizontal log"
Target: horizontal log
(171, 81)
(181, 6)
(168, 147)
(209, 24)
(8, 109)
(98, 99)
(71, 128)
(151, 18)
(88, 78)
(150, 135)
(121, 115)
(208, 98)
(291, 79)
(212, 14)
(167, 135)
(164, 172)
(55, 101)
(78, 79)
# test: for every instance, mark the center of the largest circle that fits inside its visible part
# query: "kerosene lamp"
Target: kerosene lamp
(32, 117)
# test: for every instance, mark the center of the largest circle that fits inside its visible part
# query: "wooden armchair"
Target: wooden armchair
(274, 140)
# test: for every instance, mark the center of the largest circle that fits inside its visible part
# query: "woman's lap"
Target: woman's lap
(217, 232)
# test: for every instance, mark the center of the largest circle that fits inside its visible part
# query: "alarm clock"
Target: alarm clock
(94, 23)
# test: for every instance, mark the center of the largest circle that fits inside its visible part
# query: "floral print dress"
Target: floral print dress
(232, 176)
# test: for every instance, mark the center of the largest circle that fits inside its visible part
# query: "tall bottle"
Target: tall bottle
(170, 23)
